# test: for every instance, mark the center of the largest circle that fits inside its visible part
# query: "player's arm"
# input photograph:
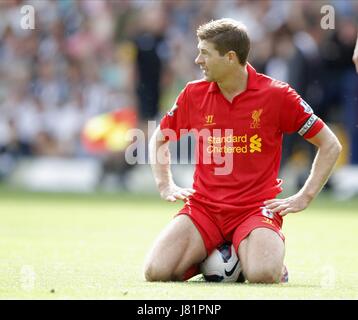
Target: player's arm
(159, 156)
(329, 149)
(355, 55)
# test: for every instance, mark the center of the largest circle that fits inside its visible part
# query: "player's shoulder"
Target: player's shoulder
(197, 86)
(272, 84)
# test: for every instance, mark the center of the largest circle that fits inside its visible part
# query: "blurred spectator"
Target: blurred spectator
(87, 57)
(355, 55)
(152, 54)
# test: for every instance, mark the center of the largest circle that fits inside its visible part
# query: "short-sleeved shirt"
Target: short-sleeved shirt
(239, 143)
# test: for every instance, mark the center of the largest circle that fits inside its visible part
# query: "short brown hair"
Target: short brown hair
(226, 34)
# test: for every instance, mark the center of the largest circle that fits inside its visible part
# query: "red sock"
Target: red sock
(191, 272)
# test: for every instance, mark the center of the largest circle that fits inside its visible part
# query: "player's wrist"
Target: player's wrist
(164, 185)
(307, 195)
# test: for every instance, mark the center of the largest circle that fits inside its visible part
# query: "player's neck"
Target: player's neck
(234, 83)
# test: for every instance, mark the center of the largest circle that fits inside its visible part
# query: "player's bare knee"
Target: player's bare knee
(177, 276)
(155, 272)
(262, 278)
(267, 274)
(148, 272)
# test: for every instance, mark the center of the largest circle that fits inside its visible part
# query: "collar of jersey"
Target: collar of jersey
(251, 81)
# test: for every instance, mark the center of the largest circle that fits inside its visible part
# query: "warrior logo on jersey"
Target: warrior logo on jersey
(209, 119)
(306, 106)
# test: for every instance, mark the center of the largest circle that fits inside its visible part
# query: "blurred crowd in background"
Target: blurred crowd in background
(87, 57)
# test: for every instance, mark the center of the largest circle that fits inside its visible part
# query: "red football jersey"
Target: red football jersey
(239, 143)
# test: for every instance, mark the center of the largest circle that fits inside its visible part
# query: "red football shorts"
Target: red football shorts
(217, 226)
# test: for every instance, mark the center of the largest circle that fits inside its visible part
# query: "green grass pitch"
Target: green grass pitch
(93, 247)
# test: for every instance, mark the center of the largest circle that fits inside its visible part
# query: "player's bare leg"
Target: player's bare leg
(178, 247)
(261, 255)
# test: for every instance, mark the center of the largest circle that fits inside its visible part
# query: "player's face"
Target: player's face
(213, 65)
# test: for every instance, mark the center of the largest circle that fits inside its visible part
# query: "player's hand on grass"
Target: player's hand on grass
(295, 203)
(173, 193)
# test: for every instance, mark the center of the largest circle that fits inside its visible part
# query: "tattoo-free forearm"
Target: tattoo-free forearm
(159, 156)
(322, 167)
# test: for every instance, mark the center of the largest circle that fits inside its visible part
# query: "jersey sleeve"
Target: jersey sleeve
(297, 116)
(176, 122)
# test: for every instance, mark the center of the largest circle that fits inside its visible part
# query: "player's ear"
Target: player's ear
(231, 56)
